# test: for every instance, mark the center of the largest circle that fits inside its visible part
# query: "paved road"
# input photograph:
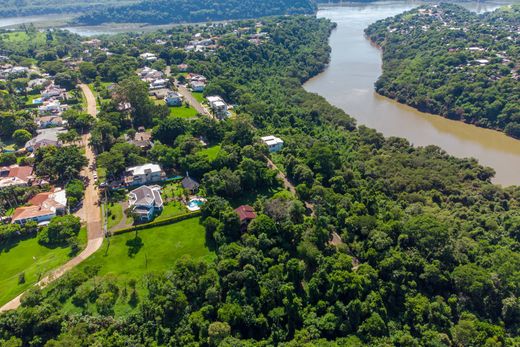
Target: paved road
(90, 213)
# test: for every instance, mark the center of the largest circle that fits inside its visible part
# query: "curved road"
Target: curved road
(89, 213)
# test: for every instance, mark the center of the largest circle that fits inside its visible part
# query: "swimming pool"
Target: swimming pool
(196, 203)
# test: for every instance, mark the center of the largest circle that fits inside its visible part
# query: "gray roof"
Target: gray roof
(189, 183)
(146, 196)
(45, 137)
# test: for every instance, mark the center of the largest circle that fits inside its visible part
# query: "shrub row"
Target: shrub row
(167, 221)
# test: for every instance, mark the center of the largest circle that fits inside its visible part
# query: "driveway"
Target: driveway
(90, 213)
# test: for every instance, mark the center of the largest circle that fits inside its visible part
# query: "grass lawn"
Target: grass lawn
(131, 256)
(21, 40)
(211, 152)
(32, 258)
(183, 112)
(115, 214)
(172, 209)
(171, 190)
(198, 96)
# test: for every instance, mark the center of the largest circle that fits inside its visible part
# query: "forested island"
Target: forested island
(449, 61)
(377, 243)
(193, 11)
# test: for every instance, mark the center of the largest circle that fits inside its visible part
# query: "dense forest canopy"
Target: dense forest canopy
(185, 11)
(429, 247)
(450, 61)
(16, 8)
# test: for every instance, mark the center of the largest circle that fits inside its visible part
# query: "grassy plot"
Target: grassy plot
(132, 255)
(183, 112)
(32, 259)
(211, 152)
(115, 214)
(198, 96)
(172, 209)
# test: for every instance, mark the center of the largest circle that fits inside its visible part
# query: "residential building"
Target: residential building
(219, 107)
(142, 139)
(148, 56)
(174, 99)
(55, 200)
(198, 86)
(148, 173)
(45, 137)
(50, 121)
(49, 106)
(190, 184)
(246, 214)
(159, 83)
(274, 144)
(16, 175)
(183, 67)
(37, 214)
(53, 91)
(146, 201)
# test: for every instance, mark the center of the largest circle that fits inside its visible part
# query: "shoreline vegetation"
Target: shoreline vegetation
(425, 251)
(473, 80)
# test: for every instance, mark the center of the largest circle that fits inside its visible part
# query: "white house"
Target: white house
(37, 214)
(218, 106)
(147, 173)
(148, 56)
(173, 99)
(50, 107)
(159, 83)
(146, 201)
(197, 86)
(274, 144)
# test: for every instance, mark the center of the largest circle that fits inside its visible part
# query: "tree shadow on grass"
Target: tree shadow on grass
(134, 246)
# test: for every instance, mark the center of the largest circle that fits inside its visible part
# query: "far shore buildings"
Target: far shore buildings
(274, 143)
(144, 174)
(146, 201)
(148, 57)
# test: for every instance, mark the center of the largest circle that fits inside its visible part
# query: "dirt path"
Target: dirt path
(286, 183)
(89, 213)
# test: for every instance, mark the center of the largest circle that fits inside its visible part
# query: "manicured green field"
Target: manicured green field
(132, 255)
(172, 209)
(33, 259)
(183, 112)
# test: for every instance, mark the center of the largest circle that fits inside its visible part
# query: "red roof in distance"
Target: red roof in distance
(245, 213)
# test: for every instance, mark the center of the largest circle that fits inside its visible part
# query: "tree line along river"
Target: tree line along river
(348, 83)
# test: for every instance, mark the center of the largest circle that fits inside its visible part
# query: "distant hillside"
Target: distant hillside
(182, 11)
(17, 8)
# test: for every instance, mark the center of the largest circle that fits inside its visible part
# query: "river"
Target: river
(348, 83)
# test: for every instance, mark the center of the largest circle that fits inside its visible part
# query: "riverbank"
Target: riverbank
(348, 83)
(427, 112)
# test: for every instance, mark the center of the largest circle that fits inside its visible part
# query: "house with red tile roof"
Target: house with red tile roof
(246, 214)
(15, 175)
